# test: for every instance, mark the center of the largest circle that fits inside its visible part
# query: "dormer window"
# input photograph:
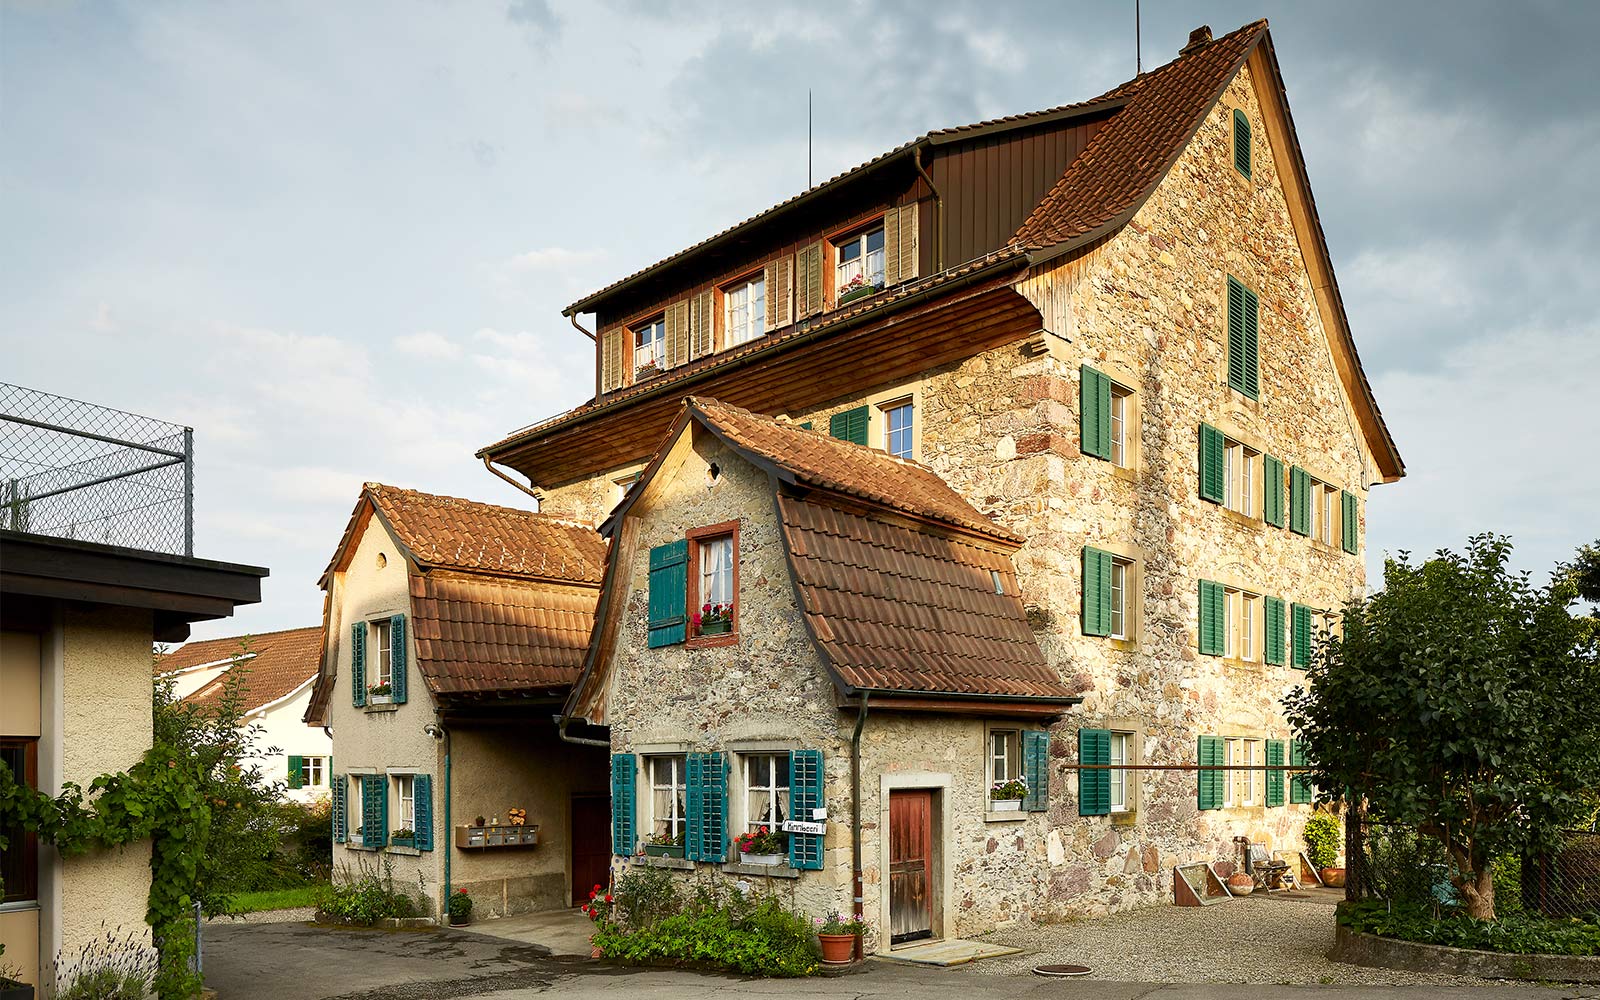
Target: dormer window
(649, 344)
(745, 310)
(858, 264)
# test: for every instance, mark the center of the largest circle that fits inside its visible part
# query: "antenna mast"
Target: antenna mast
(1138, 56)
(808, 138)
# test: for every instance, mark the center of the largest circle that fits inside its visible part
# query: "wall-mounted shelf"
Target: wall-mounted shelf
(477, 838)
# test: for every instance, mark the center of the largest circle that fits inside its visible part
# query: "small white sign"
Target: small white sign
(798, 826)
(819, 814)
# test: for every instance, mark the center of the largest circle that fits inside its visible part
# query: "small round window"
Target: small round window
(383, 560)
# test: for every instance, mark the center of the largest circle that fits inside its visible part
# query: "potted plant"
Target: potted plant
(1322, 847)
(355, 835)
(713, 619)
(856, 288)
(1007, 796)
(459, 908)
(646, 370)
(761, 847)
(664, 845)
(838, 936)
(403, 837)
(479, 821)
(380, 694)
(1241, 884)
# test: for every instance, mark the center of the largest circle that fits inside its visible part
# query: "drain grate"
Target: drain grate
(1061, 971)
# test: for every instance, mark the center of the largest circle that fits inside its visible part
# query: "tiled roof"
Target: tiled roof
(897, 608)
(280, 663)
(480, 635)
(1125, 159)
(815, 459)
(451, 533)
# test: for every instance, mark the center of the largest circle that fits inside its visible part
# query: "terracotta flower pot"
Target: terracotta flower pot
(1241, 885)
(837, 949)
(1332, 877)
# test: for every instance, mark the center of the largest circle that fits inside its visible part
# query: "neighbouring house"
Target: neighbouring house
(96, 565)
(454, 633)
(1112, 329)
(278, 670)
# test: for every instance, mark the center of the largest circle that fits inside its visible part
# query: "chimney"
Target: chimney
(1199, 38)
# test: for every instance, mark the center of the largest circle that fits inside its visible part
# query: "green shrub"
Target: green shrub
(109, 967)
(1521, 933)
(1322, 839)
(369, 895)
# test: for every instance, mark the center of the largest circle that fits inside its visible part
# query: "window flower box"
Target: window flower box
(715, 628)
(403, 838)
(761, 847)
(856, 293)
(1007, 796)
(769, 860)
(646, 371)
(380, 694)
(1005, 805)
(712, 619)
(664, 850)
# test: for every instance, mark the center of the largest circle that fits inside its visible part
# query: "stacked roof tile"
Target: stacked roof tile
(478, 634)
(274, 664)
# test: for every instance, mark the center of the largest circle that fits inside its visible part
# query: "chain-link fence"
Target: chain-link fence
(1396, 863)
(72, 469)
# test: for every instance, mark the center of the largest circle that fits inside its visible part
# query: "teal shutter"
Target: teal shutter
(1252, 345)
(1213, 599)
(806, 426)
(1351, 525)
(851, 425)
(1275, 778)
(1211, 485)
(1272, 492)
(398, 657)
(1275, 623)
(1211, 783)
(1096, 591)
(1094, 787)
(1241, 142)
(1300, 628)
(422, 806)
(339, 795)
(1094, 413)
(805, 794)
(1236, 335)
(297, 771)
(1036, 769)
(1299, 501)
(707, 806)
(358, 664)
(624, 770)
(1299, 784)
(374, 810)
(669, 581)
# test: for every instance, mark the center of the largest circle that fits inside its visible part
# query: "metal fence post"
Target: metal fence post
(198, 963)
(188, 491)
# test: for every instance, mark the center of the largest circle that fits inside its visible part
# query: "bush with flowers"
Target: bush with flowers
(761, 841)
(459, 907)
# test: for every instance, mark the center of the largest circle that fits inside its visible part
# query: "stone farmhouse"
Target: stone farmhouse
(1031, 453)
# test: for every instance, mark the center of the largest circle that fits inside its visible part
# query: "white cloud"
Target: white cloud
(428, 344)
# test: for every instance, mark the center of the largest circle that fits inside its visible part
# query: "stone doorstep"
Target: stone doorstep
(951, 951)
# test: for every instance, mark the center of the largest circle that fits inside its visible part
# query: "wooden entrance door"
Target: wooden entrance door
(590, 845)
(911, 867)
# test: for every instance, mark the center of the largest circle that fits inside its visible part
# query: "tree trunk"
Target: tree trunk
(1478, 894)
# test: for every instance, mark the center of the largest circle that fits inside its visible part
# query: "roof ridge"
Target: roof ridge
(785, 422)
(245, 635)
(446, 500)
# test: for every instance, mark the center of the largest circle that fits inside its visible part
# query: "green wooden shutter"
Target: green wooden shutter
(1275, 778)
(1300, 627)
(1299, 784)
(806, 426)
(624, 769)
(707, 807)
(374, 810)
(1036, 769)
(1211, 485)
(1210, 783)
(1213, 614)
(1096, 591)
(805, 794)
(398, 657)
(339, 795)
(1351, 525)
(1236, 334)
(1272, 493)
(669, 566)
(1241, 142)
(1252, 345)
(1299, 501)
(1094, 413)
(1275, 623)
(850, 425)
(297, 771)
(1094, 787)
(422, 806)
(358, 664)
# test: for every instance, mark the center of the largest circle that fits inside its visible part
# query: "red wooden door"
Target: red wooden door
(910, 865)
(591, 845)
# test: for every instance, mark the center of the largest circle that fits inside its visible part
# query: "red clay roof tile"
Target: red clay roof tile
(275, 664)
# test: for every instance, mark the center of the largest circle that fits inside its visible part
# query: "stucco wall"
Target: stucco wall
(281, 728)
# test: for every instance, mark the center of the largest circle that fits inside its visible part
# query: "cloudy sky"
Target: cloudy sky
(336, 238)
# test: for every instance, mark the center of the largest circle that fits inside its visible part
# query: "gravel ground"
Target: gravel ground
(298, 914)
(1260, 941)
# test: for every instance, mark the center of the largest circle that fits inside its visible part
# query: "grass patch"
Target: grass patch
(1518, 933)
(276, 899)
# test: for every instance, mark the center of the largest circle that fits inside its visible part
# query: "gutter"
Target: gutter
(1042, 699)
(561, 731)
(487, 464)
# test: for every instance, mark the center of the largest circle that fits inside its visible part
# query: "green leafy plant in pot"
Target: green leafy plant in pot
(1322, 847)
(459, 908)
(837, 935)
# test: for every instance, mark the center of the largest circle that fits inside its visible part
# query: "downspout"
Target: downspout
(855, 815)
(573, 319)
(487, 464)
(938, 213)
(561, 731)
(449, 830)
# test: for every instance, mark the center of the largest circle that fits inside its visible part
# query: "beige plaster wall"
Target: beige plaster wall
(19, 684)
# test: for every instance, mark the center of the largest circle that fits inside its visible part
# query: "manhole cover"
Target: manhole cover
(1061, 970)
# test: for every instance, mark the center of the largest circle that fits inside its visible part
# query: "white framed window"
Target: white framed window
(859, 256)
(1241, 476)
(311, 771)
(354, 801)
(405, 798)
(383, 658)
(745, 310)
(649, 343)
(1005, 755)
(1330, 499)
(1121, 572)
(898, 420)
(667, 798)
(1121, 743)
(1121, 412)
(624, 485)
(766, 790)
(1250, 623)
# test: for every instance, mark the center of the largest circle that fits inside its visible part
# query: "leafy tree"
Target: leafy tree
(1585, 570)
(1463, 701)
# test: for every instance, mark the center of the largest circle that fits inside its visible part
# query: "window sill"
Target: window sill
(359, 847)
(1006, 817)
(410, 852)
(1242, 520)
(713, 641)
(386, 707)
(648, 861)
(1254, 666)
(19, 906)
(1128, 472)
(1126, 645)
(1125, 817)
(763, 871)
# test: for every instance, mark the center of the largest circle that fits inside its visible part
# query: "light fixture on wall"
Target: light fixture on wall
(432, 729)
